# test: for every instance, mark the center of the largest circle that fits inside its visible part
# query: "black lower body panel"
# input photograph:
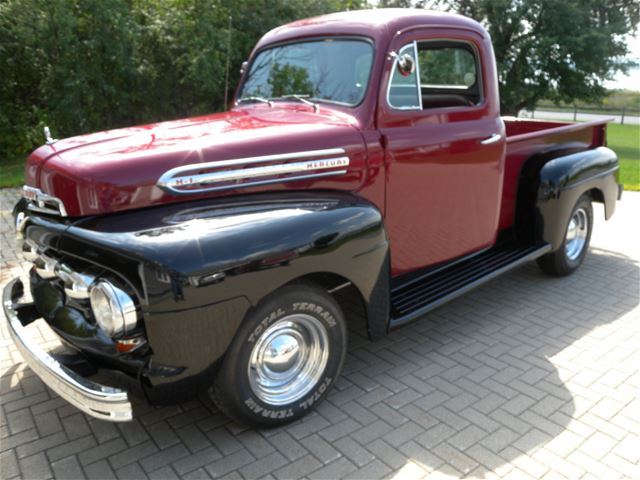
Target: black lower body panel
(423, 293)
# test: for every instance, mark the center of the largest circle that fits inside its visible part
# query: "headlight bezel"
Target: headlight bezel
(122, 316)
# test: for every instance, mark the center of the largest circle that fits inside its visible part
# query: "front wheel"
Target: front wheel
(574, 247)
(284, 358)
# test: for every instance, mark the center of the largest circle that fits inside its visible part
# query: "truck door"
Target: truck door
(444, 146)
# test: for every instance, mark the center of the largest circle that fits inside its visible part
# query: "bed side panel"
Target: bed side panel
(536, 137)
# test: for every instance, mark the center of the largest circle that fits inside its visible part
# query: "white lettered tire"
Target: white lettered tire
(284, 358)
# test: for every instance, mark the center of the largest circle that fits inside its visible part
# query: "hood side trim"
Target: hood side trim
(181, 180)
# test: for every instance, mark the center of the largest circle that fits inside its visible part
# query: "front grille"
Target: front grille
(76, 283)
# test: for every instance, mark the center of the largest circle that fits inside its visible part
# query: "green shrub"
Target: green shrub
(87, 65)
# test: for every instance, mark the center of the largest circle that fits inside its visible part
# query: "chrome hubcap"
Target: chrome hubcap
(576, 237)
(288, 359)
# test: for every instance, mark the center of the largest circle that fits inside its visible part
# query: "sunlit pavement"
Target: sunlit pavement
(525, 377)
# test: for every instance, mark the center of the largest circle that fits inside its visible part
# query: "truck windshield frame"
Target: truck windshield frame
(355, 56)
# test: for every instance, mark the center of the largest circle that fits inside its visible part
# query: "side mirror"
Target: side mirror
(243, 67)
(406, 65)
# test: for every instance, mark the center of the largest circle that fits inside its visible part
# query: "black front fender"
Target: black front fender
(204, 265)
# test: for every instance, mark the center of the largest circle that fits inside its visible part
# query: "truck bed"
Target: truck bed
(528, 137)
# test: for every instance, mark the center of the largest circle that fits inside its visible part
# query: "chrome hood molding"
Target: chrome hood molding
(213, 176)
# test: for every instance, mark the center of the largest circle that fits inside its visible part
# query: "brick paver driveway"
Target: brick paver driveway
(527, 376)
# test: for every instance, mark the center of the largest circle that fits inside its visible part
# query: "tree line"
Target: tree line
(87, 65)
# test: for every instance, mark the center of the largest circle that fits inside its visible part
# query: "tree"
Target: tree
(562, 50)
(87, 65)
(396, 3)
(285, 79)
(66, 62)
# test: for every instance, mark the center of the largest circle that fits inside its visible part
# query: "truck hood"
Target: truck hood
(252, 149)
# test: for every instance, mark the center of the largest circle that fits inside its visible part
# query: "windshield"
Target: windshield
(330, 70)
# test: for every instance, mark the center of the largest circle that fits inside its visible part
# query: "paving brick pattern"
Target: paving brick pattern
(526, 377)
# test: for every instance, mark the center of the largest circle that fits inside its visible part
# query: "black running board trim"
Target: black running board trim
(449, 283)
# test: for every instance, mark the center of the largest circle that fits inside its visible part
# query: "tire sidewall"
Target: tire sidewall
(236, 389)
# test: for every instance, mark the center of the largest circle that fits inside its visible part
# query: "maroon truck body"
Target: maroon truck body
(466, 190)
(410, 196)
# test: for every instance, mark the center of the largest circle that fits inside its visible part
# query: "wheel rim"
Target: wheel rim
(288, 359)
(577, 231)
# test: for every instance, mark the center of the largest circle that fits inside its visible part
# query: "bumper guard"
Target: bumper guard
(103, 402)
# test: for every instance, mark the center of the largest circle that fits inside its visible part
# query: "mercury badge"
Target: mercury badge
(47, 136)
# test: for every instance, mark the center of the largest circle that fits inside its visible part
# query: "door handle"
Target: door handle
(496, 137)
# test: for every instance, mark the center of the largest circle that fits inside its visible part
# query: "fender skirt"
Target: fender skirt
(551, 184)
(203, 265)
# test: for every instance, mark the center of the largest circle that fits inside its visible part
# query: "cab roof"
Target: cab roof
(378, 24)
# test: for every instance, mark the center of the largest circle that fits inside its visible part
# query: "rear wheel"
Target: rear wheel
(284, 358)
(574, 248)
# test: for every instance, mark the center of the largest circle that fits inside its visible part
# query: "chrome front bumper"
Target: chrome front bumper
(106, 403)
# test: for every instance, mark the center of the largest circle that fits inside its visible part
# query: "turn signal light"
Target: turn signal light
(128, 344)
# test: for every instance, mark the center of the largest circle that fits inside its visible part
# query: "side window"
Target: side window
(449, 74)
(403, 92)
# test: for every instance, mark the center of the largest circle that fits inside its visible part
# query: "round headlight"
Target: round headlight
(113, 309)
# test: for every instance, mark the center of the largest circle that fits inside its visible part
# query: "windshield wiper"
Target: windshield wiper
(301, 98)
(255, 99)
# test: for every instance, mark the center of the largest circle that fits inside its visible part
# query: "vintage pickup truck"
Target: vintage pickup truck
(364, 151)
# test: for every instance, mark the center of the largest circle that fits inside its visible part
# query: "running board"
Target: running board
(420, 295)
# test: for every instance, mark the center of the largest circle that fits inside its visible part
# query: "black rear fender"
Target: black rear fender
(551, 183)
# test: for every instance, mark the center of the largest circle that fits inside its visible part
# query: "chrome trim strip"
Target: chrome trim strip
(249, 160)
(268, 170)
(390, 80)
(173, 182)
(41, 199)
(258, 183)
(417, 59)
(100, 401)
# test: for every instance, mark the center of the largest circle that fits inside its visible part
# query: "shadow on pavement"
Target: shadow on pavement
(482, 368)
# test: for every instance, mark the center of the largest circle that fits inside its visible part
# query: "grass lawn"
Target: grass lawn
(625, 141)
(12, 173)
